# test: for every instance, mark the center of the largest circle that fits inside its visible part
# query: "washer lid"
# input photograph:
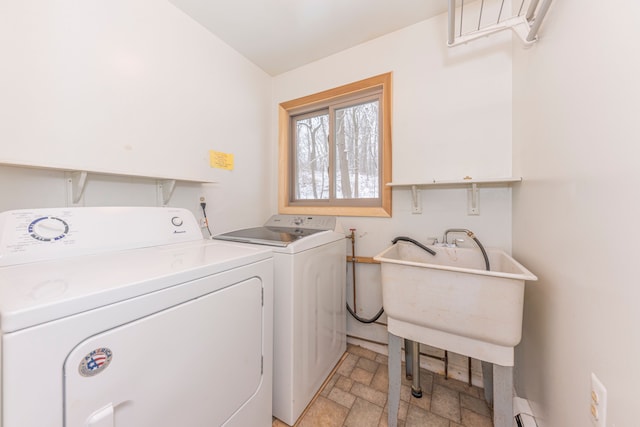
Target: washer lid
(39, 292)
(271, 236)
(283, 230)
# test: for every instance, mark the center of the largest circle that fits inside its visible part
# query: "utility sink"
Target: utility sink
(451, 302)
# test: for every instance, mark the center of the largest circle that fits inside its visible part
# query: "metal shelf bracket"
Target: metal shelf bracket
(165, 189)
(76, 182)
(416, 200)
(473, 200)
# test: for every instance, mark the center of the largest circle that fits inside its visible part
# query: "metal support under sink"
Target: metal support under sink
(498, 384)
(412, 366)
(427, 299)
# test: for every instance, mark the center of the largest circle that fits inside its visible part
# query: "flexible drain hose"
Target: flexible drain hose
(475, 239)
(361, 320)
(484, 253)
(415, 242)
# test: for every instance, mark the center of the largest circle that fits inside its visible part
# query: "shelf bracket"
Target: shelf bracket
(473, 200)
(165, 189)
(76, 182)
(416, 202)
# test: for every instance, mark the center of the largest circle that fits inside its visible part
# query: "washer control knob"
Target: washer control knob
(48, 228)
(177, 221)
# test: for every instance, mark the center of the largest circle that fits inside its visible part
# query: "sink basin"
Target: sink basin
(451, 302)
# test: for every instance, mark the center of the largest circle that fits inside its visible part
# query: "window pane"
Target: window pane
(357, 148)
(312, 157)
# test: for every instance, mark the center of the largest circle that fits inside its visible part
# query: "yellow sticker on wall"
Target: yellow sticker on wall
(220, 160)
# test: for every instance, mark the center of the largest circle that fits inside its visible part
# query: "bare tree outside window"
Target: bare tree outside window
(312, 157)
(357, 151)
(335, 151)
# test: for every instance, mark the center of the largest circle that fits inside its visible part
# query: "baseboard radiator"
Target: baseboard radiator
(525, 420)
(523, 415)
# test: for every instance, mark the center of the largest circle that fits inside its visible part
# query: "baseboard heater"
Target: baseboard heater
(525, 420)
(523, 415)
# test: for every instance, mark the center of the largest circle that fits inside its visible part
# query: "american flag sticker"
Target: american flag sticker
(95, 362)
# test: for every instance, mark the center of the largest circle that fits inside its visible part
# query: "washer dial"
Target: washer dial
(48, 229)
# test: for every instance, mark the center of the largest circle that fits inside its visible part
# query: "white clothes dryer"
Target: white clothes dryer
(310, 323)
(128, 317)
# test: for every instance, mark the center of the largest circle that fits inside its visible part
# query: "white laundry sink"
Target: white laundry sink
(451, 302)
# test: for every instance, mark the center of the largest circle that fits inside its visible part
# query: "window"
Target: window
(335, 151)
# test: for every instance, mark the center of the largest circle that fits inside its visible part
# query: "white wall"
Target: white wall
(451, 118)
(576, 127)
(575, 98)
(129, 86)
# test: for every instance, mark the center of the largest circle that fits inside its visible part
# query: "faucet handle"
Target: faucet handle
(456, 242)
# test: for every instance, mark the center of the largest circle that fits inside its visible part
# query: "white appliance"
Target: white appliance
(309, 308)
(127, 317)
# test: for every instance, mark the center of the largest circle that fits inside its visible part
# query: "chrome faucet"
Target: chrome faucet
(457, 230)
(472, 236)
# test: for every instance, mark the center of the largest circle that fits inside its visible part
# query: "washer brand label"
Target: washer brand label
(95, 362)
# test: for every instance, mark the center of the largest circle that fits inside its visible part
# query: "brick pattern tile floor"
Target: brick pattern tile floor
(356, 396)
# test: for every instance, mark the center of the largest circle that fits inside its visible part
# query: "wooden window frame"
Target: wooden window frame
(290, 108)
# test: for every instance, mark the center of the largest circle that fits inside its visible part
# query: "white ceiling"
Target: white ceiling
(280, 35)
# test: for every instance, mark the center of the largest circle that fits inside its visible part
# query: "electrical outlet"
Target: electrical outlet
(598, 402)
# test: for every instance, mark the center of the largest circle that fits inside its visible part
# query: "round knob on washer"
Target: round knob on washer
(177, 221)
(48, 228)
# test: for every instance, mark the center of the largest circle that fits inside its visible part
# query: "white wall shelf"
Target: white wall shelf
(473, 200)
(458, 182)
(77, 180)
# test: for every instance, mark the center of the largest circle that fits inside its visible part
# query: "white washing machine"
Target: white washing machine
(128, 317)
(309, 309)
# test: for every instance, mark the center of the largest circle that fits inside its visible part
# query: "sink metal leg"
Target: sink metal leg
(412, 366)
(498, 392)
(416, 390)
(408, 359)
(395, 362)
(502, 396)
(487, 380)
